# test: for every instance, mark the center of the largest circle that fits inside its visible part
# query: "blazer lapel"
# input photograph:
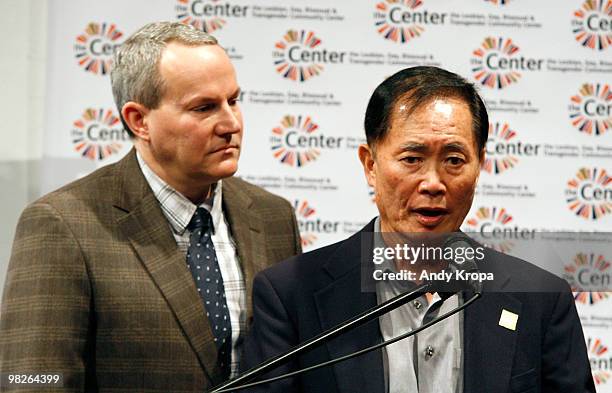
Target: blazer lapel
(489, 347)
(340, 301)
(247, 231)
(139, 216)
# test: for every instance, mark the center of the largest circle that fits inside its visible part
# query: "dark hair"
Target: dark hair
(418, 86)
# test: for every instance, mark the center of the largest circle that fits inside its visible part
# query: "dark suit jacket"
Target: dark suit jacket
(98, 290)
(299, 298)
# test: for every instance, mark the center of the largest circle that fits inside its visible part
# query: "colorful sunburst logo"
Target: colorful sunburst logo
(396, 31)
(483, 73)
(304, 212)
(486, 219)
(588, 194)
(98, 134)
(498, 2)
(287, 137)
(288, 68)
(590, 24)
(94, 48)
(589, 109)
(489, 214)
(583, 267)
(191, 12)
(493, 163)
(597, 350)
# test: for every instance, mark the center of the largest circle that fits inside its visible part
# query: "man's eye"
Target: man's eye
(455, 161)
(233, 101)
(412, 160)
(203, 108)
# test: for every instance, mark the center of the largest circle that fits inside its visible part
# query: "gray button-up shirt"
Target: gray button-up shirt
(431, 361)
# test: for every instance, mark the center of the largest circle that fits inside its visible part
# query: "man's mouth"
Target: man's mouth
(430, 216)
(226, 148)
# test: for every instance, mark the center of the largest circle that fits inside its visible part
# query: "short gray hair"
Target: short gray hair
(135, 71)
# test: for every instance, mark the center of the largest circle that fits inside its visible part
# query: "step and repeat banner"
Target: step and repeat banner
(307, 69)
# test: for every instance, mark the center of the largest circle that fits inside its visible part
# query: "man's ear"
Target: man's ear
(135, 115)
(366, 156)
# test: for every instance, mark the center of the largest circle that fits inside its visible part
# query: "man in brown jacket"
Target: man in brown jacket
(114, 279)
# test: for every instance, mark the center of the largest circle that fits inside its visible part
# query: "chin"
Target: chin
(226, 170)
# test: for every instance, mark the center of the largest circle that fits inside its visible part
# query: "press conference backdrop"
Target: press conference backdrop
(307, 69)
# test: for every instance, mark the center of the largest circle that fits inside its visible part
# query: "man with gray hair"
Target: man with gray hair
(138, 276)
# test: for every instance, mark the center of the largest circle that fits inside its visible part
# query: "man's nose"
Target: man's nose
(230, 122)
(431, 183)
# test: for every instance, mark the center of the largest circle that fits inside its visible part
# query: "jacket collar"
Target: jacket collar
(247, 230)
(342, 299)
(139, 216)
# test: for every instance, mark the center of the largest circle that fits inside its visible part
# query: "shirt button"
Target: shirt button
(429, 351)
(417, 304)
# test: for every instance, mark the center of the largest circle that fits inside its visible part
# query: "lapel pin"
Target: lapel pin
(508, 319)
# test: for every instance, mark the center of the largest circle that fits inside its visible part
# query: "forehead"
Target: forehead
(438, 117)
(181, 56)
(184, 67)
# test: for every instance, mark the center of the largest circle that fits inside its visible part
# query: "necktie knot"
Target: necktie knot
(201, 220)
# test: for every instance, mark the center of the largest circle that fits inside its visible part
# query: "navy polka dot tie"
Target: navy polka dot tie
(204, 266)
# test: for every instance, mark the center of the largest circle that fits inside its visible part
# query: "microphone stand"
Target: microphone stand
(354, 354)
(373, 313)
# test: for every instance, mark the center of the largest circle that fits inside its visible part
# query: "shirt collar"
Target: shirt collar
(388, 265)
(177, 208)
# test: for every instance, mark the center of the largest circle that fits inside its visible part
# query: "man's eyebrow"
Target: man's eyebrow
(417, 147)
(196, 99)
(414, 147)
(455, 147)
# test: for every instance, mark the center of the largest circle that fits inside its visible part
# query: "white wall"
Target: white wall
(23, 39)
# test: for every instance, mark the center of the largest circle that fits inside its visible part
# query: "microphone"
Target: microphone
(465, 272)
(467, 268)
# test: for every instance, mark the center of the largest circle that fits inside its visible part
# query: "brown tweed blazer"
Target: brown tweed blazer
(97, 289)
